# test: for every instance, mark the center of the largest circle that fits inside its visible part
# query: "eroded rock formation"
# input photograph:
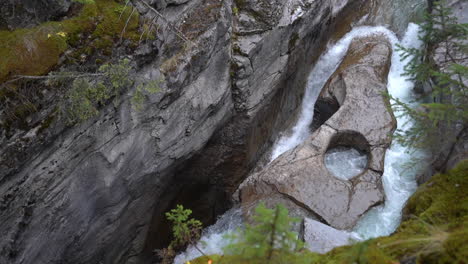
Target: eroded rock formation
(363, 121)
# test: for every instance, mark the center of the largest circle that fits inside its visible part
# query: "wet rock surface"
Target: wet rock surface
(322, 238)
(362, 121)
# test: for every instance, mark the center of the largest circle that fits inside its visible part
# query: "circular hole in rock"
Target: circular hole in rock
(347, 155)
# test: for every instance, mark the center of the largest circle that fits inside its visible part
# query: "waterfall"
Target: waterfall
(398, 180)
(399, 183)
(322, 71)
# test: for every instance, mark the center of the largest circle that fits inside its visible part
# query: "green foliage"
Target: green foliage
(444, 38)
(185, 229)
(235, 11)
(82, 105)
(268, 240)
(139, 96)
(86, 94)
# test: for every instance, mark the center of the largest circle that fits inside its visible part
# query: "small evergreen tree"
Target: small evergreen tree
(268, 240)
(185, 230)
(445, 39)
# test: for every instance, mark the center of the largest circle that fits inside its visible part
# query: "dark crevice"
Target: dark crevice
(323, 110)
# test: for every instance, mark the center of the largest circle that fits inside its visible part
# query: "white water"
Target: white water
(345, 162)
(213, 238)
(319, 75)
(398, 183)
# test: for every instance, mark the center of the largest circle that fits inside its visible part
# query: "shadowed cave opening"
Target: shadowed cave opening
(324, 109)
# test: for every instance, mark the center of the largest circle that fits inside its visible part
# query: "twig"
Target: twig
(148, 29)
(172, 27)
(30, 77)
(199, 250)
(20, 95)
(123, 10)
(126, 23)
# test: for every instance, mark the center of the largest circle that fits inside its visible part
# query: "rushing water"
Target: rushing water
(213, 238)
(345, 162)
(319, 75)
(323, 69)
(399, 182)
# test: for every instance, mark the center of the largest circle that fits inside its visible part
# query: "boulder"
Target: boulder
(363, 121)
(322, 238)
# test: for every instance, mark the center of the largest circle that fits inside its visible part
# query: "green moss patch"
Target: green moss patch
(35, 51)
(114, 17)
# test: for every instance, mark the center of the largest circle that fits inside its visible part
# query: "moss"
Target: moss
(35, 51)
(113, 19)
(29, 52)
(435, 230)
(436, 227)
(435, 200)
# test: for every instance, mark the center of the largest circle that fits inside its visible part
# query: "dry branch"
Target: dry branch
(167, 22)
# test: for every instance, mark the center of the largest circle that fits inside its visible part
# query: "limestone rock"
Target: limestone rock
(362, 121)
(176, 2)
(24, 13)
(322, 238)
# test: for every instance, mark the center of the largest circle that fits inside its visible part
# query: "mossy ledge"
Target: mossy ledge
(35, 51)
(435, 230)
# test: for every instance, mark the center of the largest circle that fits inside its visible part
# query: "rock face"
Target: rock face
(22, 13)
(362, 121)
(321, 238)
(96, 192)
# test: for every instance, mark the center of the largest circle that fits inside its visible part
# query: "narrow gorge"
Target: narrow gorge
(114, 112)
